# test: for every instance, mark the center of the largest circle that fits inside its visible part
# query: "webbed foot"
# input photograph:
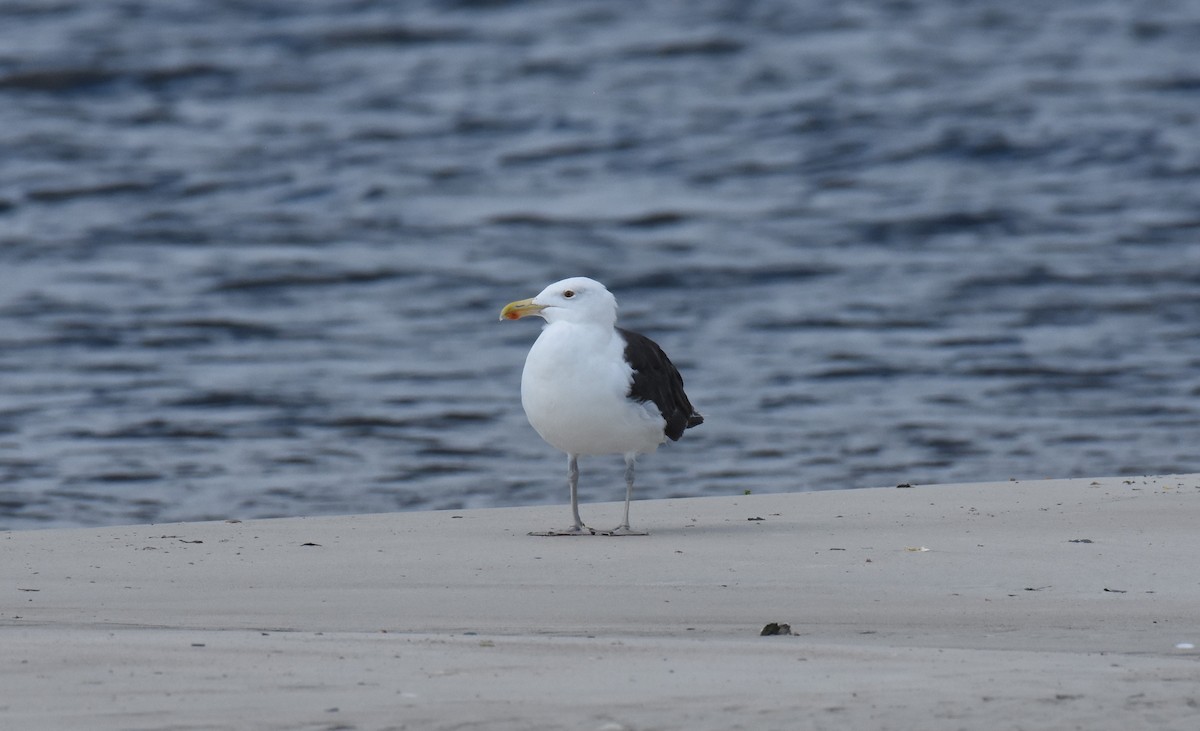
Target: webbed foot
(623, 530)
(575, 530)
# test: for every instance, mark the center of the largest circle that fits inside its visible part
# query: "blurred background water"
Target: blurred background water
(252, 253)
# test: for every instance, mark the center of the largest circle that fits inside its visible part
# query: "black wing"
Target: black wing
(656, 379)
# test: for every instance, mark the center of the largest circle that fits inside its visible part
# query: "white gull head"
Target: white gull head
(576, 300)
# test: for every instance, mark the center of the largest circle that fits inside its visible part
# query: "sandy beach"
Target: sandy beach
(1054, 604)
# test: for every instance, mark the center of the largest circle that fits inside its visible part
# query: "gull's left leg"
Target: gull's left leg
(578, 528)
(623, 528)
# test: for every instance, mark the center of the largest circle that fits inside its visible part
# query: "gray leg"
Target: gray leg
(573, 482)
(623, 529)
(578, 529)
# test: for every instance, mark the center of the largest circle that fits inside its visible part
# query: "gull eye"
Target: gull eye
(569, 293)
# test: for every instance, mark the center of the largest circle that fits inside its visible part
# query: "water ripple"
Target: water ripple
(251, 255)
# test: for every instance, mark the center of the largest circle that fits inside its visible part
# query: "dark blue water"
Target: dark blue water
(252, 253)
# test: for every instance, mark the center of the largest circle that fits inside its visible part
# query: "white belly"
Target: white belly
(574, 390)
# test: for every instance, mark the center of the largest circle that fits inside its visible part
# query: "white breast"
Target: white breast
(574, 389)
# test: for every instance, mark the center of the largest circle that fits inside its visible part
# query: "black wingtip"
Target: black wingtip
(677, 423)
